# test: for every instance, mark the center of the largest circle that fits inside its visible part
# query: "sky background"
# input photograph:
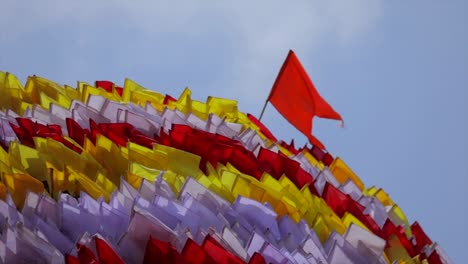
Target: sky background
(397, 71)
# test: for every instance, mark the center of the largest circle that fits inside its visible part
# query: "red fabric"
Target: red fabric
(143, 141)
(400, 232)
(265, 131)
(337, 200)
(290, 147)
(4, 145)
(302, 178)
(168, 99)
(106, 85)
(219, 149)
(421, 238)
(28, 129)
(434, 258)
(320, 155)
(288, 166)
(211, 148)
(117, 132)
(327, 159)
(75, 131)
(314, 141)
(317, 153)
(106, 254)
(94, 131)
(24, 138)
(388, 229)
(218, 253)
(161, 252)
(109, 87)
(296, 98)
(195, 254)
(242, 160)
(257, 259)
(357, 210)
(85, 255)
(119, 90)
(268, 161)
(69, 259)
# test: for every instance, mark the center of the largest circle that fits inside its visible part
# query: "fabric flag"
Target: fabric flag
(296, 98)
(118, 176)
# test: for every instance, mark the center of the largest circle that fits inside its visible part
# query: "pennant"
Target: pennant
(296, 98)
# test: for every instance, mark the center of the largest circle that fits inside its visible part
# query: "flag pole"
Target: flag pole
(263, 110)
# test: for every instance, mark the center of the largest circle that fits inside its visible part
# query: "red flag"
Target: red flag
(296, 98)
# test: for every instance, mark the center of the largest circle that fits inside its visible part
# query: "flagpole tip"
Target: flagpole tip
(342, 124)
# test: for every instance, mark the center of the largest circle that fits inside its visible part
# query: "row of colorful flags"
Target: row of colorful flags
(108, 174)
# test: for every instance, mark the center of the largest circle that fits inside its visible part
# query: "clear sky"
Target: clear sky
(397, 71)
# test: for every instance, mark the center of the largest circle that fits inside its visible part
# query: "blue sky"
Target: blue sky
(397, 71)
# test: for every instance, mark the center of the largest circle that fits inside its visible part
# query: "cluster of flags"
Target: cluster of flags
(108, 174)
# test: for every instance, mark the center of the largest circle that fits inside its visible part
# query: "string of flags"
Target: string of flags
(101, 173)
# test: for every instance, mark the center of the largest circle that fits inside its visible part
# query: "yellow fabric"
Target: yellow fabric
(342, 173)
(399, 213)
(134, 180)
(37, 85)
(72, 93)
(11, 92)
(223, 107)
(105, 183)
(28, 160)
(179, 161)
(83, 183)
(370, 191)
(349, 219)
(395, 251)
(90, 90)
(155, 99)
(174, 180)
(313, 161)
(184, 103)
(147, 173)
(99, 168)
(271, 182)
(108, 154)
(200, 109)
(321, 228)
(46, 101)
(129, 87)
(58, 181)
(383, 197)
(4, 157)
(5, 168)
(213, 175)
(59, 155)
(18, 186)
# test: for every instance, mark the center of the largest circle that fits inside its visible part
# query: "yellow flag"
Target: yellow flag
(83, 183)
(27, 159)
(150, 174)
(321, 228)
(342, 173)
(129, 87)
(109, 155)
(18, 186)
(179, 161)
(349, 219)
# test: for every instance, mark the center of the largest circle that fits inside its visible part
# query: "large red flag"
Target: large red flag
(296, 98)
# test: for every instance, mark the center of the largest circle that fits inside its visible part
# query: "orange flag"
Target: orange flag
(296, 98)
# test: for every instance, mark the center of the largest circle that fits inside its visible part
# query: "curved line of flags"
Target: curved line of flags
(107, 174)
